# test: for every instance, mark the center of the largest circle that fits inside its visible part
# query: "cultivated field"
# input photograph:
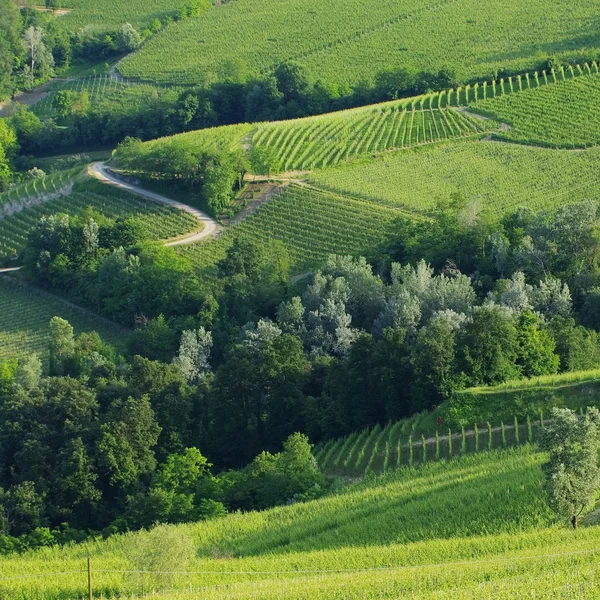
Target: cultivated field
(25, 314)
(111, 14)
(562, 115)
(472, 37)
(108, 91)
(310, 223)
(493, 176)
(473, 527)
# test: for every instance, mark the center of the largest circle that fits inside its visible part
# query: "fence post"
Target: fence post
(89, 572)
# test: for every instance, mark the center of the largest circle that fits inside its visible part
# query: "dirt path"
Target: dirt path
(10, 270)
(209, 225)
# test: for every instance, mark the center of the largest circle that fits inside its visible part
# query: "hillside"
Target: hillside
(496, 177)
(472, 37)
(475, 525)
(25, 314)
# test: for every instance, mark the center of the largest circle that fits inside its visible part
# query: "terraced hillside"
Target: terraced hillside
(156, 220)
(472, 37)
(562, 115)
(310, 223)
(494, 176)
(477, 526)
(25, 314)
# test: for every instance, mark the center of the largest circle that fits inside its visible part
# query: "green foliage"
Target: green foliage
(572, 474)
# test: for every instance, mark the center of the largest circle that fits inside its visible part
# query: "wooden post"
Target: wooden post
(90, 595)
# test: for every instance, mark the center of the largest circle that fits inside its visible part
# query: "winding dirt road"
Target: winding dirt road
(210, 226)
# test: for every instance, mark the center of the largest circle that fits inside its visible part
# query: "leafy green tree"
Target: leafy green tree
(536, 353)
(489, 347)
(64, 102)
(577, 347)
(128, 39)
(194, 352)
(127, 440)
(434, 363)
(54, 4)
(572, 474)
(61, 345)
(257, 398)
(29, 372)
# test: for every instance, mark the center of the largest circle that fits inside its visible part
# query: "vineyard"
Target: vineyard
(472, 37)
(493, 176)
(110, 14)
(310, 223)
(33, 189)
(475, 526)
(106, 90)
(26, 312)
(320, 142)
(156, 221)
(564, 115)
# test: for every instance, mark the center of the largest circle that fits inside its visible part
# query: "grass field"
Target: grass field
(473, 37)
(564, 115)
(310, 223)
(156, 220)
(495, 176)
(25, 314)
(475, 527)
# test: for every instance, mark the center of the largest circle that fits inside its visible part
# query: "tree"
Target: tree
(489, 346)
(536, 353)
(64, 102)
(128, 39)
(128, 437)
(572, 474)
(54, 4)
(61, 343)
(40, 58)
(194, 352)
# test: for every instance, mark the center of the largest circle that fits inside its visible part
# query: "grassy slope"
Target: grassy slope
(562, 115)
(474, 37)
(25, 314)
(495, 176)
(442, 528)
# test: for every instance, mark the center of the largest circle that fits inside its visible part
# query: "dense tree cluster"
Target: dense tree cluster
(100, 444)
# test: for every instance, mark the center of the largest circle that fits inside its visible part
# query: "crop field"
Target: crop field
(157, 221)
(476, 526)
(321, 142)
(110, 14)
(310, 223)
(107, 90)
(498, 177)
(51, 184)
(326, 140)
(26, 312)
(563, 115)
(472, 37)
